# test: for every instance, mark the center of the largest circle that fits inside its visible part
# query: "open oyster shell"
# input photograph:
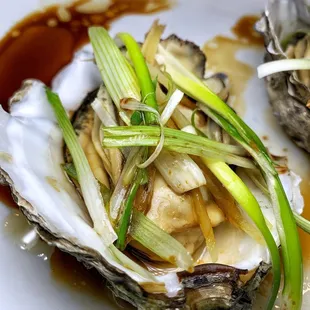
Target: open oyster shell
(31, 155)
(289, 92)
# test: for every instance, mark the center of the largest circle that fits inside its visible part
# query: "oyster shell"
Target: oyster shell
(289, 94)
(31, 155)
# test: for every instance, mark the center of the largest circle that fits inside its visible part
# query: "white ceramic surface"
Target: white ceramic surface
(25, 280)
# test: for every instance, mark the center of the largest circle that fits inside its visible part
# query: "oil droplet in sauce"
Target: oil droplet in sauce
(21, 233)
(221, 54)
(42, 43)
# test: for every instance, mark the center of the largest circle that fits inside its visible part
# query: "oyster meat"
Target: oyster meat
(32, 155)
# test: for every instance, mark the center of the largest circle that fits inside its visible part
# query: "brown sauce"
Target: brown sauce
(221, 54)
(305, 237)
(67, 271)
(6, 196)
(42, 43)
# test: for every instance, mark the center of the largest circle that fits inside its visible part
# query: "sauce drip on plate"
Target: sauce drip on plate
(42, 43)
(221, 52)
(67, 271)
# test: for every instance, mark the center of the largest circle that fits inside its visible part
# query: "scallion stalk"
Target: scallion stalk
(125, 218)
(158, 241)
(115, 70)
(276, 66)
(89, 185)
(303, 223)
(290, 245)
(150, 131)
(143, 75)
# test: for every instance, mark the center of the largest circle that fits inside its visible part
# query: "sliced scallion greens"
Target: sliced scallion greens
(179, 171)
(277, 66)
(286, 225)
(161, 243)
(175, 141)
(89, 185)
(143, 75)
(303, 223)
(115, 70)
(128, 206)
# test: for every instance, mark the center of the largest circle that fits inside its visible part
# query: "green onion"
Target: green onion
(179, 146)
(70, 170)
(302, 222)
(125, 218)
(151, 131)
(180, 172)
(175, 141)
(159, 242)
(123, 183)
(276, 66)
(115, 70)
(174, 100)
(150, 44)
(290, 245)
(287, 229)
(89, 185)
(247, 201)
(143, 75)
(130, 264)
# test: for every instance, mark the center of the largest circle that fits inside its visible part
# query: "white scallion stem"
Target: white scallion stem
(276, 66)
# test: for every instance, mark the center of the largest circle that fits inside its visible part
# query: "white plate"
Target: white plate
(25, 281)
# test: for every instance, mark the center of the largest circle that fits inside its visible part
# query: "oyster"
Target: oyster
(31, 159)
(287, 36)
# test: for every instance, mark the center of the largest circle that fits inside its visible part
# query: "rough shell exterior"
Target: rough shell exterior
(288, 96)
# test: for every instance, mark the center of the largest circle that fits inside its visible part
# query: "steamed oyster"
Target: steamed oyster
(31, 160)
(287, 37)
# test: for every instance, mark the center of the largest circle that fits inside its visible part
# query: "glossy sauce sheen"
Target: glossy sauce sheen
(42, 43)
(221, 54)
(67, 271)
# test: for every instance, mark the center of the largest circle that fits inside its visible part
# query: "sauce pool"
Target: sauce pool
(221, 52)
(44, 42)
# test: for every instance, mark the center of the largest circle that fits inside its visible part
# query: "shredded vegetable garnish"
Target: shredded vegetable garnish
(205, 223)
(128, 173)
(89, 185)
(175, 141)
(152, 237)
(125, 218)
(137, 106)
(149, 47)
(143, 75)
(115, 70)
(277, 66)
(103, 113)
(152, 111)
(286, 225)
(303, 223)
(174, 100)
